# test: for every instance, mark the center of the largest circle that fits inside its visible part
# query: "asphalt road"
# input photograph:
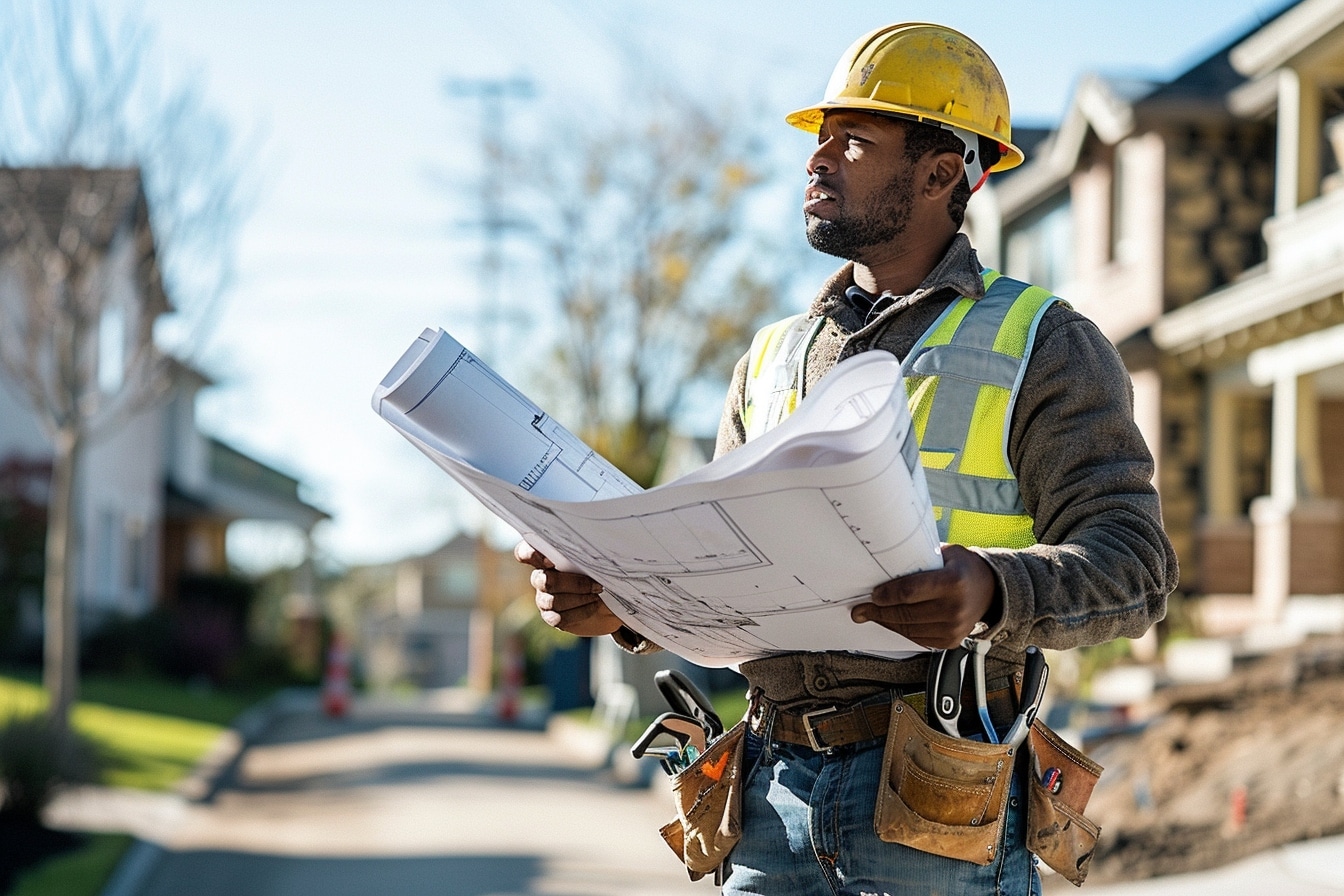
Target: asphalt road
(408, 803)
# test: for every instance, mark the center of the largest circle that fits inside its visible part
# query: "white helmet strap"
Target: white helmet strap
(976, 172)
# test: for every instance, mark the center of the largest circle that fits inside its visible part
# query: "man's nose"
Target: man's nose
(820, 161)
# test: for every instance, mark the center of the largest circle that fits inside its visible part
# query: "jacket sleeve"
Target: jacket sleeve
(1103, 566)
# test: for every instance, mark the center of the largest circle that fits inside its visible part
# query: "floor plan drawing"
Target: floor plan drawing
(761, 551)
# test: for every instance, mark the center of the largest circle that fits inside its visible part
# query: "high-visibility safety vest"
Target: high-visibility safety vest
(961, 382)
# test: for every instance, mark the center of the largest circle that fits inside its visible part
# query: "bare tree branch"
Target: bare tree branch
(642, 226)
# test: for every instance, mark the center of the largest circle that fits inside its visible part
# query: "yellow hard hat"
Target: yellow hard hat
(925, 72)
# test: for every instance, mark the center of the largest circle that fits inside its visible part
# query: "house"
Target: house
(155, 494)
(1268, 349)
(430, 618)
(1192, 219)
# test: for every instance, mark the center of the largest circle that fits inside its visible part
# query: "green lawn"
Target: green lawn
(150, 734)
(83, 872)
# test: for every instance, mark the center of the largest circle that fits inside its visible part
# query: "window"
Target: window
(1039, 247)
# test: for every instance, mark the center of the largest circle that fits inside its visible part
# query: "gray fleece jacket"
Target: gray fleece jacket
(1103, 566)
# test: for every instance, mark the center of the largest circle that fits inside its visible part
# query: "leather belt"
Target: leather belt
(827, 727)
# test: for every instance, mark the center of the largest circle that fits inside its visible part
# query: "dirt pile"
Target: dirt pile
(1226, 770)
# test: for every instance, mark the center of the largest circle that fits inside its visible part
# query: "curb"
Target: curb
(134, 869)
(199, 786)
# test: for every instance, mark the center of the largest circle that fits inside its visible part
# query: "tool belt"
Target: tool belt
(828, 727)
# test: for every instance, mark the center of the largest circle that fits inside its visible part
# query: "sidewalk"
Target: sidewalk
(1309, 868)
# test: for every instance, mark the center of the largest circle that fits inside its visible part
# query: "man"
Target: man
(1041, 482)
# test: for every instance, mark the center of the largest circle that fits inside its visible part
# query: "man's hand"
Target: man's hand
(567, 600)
(937, 608)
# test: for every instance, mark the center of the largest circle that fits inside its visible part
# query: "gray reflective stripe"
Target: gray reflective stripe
(964, 362)
(910, 451)
(949, 422)
(958, 491)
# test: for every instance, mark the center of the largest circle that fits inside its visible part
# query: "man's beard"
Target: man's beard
(847, 236)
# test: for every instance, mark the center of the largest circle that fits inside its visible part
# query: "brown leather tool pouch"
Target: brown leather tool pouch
(939, 794)
(708, 796)
(1057, 831)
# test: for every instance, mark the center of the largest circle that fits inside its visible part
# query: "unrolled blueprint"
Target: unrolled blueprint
(763, 550)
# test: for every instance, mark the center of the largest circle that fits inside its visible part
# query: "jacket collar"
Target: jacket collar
(852, 308)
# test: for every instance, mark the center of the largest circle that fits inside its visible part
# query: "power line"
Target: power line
(491, 96)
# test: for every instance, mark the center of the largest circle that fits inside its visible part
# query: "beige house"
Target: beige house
(1193, 220)
(1268, 349)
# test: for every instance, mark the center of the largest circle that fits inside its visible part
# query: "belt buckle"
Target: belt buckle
(808, 730)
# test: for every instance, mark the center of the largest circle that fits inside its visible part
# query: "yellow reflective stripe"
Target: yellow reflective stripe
(983, 452)
(947, 326)
(935, 460)
(1012, 337)
(988, 530)
(769, 338)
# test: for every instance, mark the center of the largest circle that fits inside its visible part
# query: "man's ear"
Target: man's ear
(946, 170)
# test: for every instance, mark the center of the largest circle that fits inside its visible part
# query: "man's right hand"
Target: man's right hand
(568, 601)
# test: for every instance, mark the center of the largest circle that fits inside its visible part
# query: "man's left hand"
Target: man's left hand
(940, 607)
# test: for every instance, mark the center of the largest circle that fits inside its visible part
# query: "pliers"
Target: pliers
(947, 677)
(947, 673)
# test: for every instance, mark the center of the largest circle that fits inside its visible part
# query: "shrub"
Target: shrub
(36, 760)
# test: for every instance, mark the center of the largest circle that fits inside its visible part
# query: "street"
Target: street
(403, 802)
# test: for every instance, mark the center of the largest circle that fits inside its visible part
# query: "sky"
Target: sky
(366, 169)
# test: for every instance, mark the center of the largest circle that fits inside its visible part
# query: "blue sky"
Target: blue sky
(352, 248)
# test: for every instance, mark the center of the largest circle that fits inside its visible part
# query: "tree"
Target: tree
(92, 137)
(659, 277)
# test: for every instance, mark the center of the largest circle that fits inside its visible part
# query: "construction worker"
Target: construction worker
(1040, 479)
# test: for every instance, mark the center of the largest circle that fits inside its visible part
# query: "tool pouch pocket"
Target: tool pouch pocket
(1057, 831)
(940, 794)
(708, 797)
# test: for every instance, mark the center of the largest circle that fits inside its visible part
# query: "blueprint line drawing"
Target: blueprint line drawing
(762, 551)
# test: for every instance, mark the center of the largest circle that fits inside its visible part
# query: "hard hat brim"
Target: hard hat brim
(810, 119)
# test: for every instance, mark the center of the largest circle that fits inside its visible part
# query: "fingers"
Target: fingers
(557, 582)
(937, 608)
(525, 553)
(578, 614)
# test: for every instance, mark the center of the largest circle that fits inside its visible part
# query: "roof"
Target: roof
(242, 487)
(1111, 107)
(102, 202)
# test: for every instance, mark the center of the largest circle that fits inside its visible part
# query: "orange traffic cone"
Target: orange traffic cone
(336, 688)
(510, 679)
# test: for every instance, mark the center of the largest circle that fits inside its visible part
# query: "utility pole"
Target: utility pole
(491, 96)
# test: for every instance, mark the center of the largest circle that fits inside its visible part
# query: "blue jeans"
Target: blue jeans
(807, 830)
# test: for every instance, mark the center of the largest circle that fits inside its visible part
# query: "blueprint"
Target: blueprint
(764, 550)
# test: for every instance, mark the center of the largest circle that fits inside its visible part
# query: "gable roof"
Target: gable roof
(1112, 107)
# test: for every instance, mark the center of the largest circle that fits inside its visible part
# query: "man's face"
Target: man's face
(861, 188)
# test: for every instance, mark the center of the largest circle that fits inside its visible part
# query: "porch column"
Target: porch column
(1298, 152)
(1287, 367)
(1272, 514)
(1221, 473)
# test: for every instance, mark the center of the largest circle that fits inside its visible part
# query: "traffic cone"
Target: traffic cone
(510, 679)
(336, 688)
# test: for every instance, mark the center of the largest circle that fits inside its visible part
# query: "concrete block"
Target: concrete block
(1123, 686)
(1198, 661)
